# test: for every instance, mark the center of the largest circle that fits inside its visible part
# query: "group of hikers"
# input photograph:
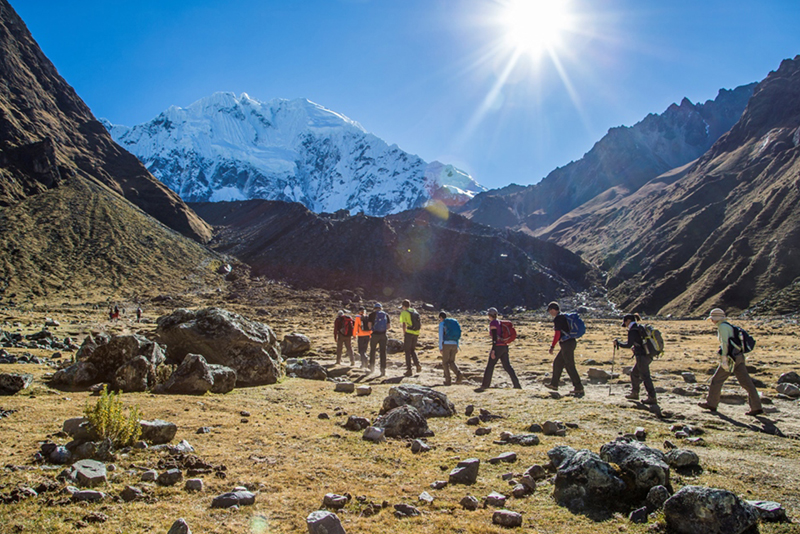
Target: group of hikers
(370, 331)
(114, 312)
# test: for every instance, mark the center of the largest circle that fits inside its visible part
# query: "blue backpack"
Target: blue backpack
(380, 324)
(452, 330)
(576, 326)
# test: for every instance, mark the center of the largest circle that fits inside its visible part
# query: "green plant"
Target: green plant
(109, 421)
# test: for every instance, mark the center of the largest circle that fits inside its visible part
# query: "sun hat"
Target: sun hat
(377, 305)
(341, 312)
(717, 314)
(491, 311)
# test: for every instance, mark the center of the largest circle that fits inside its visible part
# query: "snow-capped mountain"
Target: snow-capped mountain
(225, 147)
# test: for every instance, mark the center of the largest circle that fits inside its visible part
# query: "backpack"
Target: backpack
(381, 322)
(452, 330)
(506, 333)
(576, 326)
(415, 320)
(741, 340)
(653, 341)
(346, 326)
(364, 321)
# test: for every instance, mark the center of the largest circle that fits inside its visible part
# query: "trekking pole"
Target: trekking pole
(613, 359)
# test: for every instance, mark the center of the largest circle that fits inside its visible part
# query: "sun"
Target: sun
(534, 26)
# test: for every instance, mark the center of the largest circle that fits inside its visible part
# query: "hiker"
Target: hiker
(499, 352)
(138, 315)
(565, 359)
(361, 332)
(378, 322)
(342, 333)
(449, 336)
(408, 318)
(731, 363)
(641, 370)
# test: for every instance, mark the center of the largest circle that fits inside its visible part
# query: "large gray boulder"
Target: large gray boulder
(644, 467)
(223, 338)
(88, 473)
(127, 362)
(76, 375)
(403, 422)
(304, 368)
(90, 344)
(158, 431)
(427, 401)
(700, 510)
(195, 376)
(294, 344)
(11, 383)
(465, 472)
(585, 480)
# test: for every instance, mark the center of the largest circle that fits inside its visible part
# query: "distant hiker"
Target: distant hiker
(449, 336)
(565, 359)
(342, 333)
(111, 314)
(379, 324)
(732, 362)
(362, 332)
(116, 312)
(410, 320)
(500, 341)
(138, 315)
(641, 370)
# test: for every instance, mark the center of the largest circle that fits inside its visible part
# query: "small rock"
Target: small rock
(203, 430)
(689, 378)
(89, 473)
(180, 526)
(169, 477)
(788, 389)
(149, 476)
(405, 510)
(364, 391)
(507, 518)
(234, 498)
(482, 431)
(469, 410)
(356, 423)
(470, 503)
(194, 484)
(88, 496)
(520, 490)
(682, 458)
(656, 498)
(769, 511)
(473, 421)
(334, 501)
(324, 522)
(426, 497)
(536, 472)
(131, 493)
(495, 499)
(465, 472)
(639, 515)
(323, 415)
(344, 387)
(374, 434)
(507, 457)
(419, 446)
(640, 434)
(439, 484)
(550, 428)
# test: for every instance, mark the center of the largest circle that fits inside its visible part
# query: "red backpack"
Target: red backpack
(346, 326)
(506, 333)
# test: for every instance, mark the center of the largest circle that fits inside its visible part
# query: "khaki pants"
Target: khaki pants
(740, 370)
(449, 362)
(348, 344)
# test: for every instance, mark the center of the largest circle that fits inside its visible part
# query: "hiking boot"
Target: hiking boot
(408, 373)
(577, 393)
(753, 413)
(550, 386)
(707, 406)
(447, 384)
(459, 379)
(419, 368)
(650, 400)
(517, 387)
(632, 396)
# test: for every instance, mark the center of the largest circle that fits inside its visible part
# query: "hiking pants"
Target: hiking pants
(641, 373)
(500, 353)
(363, 346)
(348, 344)
(740, 370)
(409, 344)
(449, 352)
(377, 339)
(565, 359)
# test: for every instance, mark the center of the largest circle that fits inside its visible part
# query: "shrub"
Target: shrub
(108, 420)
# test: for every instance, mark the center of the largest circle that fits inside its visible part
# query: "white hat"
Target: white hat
(717, 314)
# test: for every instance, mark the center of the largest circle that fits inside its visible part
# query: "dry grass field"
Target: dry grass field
(291, 457)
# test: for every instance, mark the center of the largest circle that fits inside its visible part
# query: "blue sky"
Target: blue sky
(432, 76)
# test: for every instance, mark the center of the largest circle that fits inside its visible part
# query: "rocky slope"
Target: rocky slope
(723, 231)
(419, 254)
(48, 134)
(626, 158)
(225, 147)
(77, 212)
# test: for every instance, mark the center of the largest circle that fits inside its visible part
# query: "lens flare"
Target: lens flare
(534, 26)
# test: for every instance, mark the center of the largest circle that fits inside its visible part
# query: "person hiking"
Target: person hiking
(362, 333)
(449, 336)
(732, 362)
(378, 322)
(138, 315)
(641, 370)
(565, 359)
(342, 333)
(408, 316)
(499, 352)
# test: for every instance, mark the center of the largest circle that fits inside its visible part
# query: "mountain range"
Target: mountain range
(225, 147)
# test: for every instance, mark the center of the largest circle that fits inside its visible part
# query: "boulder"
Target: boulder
(295, 344)
(497, 500)
(656, 498)
(223, 338)
(88, 473)
(169, 477)
(788, 389)
(114, 362)
(79, 429)
(234, 498)
(465, 472)
(194, 376)
(137, 374)
(334, 501)
(394, 346)
(403, 421)
(76, 375)
(790, 378)
(90, 344)
(374, 434)
(507, 518)
(308, 369)
(585, 480)
(697, 509)
(470, 503)
(428, 401)
(364, 391)
(559, 455)
(682, 458)
(323, 522)
(180, 526)
(356, 423)
(643, 466)
(11, 383)
(769, 511)
(158, 431)
(344, 387)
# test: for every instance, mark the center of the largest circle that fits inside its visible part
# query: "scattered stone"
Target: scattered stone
(234, 498)
(470, 503)
(88, 496)
(473, 421)
(682, 458)
(696, 441)
(324, 522)
(170, 477)
(788, 389)
(439, 484)
(507, 457)
(640, 434)
(195, 376)
(405, 510)
(553, 428)
(11, 383)
(507, 476)
(419, 446)
(131, 493)
(507, 518)
(689, 378)
(184, 447)
(769, 511)
(599, 375)
(536, 428)
(60, 455)
(306, 368)
(789, 378)
(403, 421)
(344, 387)
(639, 515)
(468, 411)
(158, 431)
(584, 479)
(426, 497)
(323, 416)
(149, 476)
(194, 484)
(364, 391)
(203, 430)
(669, 445)
(374, 434)
(559, 455)
(656, 498)
(520, 490)
(180, 526)
(334, 501)
(644, 466)
(523, 440)
(465, 472)
(536, 472)
(497, 500)
(711, 511)
(88, 473)
(427, 401)
(482, 431)
(95, 517)
(685, 392)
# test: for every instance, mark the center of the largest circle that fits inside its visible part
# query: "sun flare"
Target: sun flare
(535, 26)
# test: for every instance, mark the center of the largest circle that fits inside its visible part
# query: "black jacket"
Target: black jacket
(635, 340)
